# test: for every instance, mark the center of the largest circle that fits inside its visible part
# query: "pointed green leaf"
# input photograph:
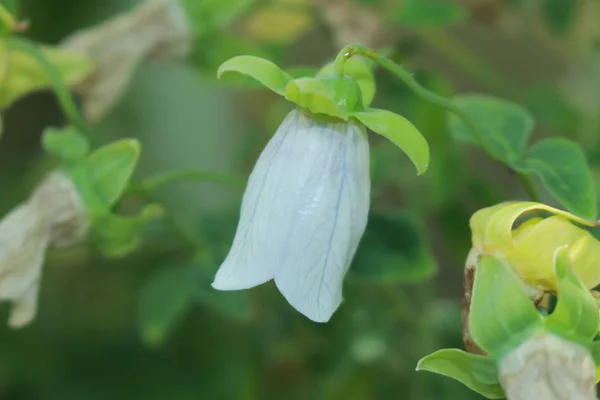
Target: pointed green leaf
(502, 315)
(393, 249)
(576, 314)
(264, 71)
(165, 299)
(103, 176)
(476, 372)
(358, 69)
(118, 236)
(429, 13)
(67, 144)
(505, 126)
(314, 95)
(399, 131)
(564, 170)
(111, 167)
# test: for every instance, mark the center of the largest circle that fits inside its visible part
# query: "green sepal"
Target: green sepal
(358, 69)
(68, 144)
(501, 315)
(400, 132)
(576, 314)
(102, 177)
(264, 71)
(117, 236)
(478, 373)
(331, 96)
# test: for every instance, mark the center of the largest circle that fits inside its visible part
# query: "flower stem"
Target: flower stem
(65, 99)
(406, 77)
(163, 178)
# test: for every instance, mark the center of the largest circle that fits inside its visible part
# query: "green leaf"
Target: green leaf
(358, 69)
(559, 15)
(68, 144)
(165, 299)
(576, 314)
(207, 15)
(399, 131)
(118, 236)
(393, 249)
(505, 126)
(502, 315)
(264, 71)
(476, 372)
(231, 304)
(429, 13)
(103, 176)
(314, 95)
(563, 168)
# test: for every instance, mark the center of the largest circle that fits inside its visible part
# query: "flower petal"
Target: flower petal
(23, 240)
(256, 249)
(331, 184)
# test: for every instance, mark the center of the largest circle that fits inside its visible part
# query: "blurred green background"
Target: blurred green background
(149, 326)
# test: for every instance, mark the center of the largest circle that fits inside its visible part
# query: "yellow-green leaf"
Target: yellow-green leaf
(476, 372)
(399, 131)
(264, 71)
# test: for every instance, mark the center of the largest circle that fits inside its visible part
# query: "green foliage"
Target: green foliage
(103, 176)
(117, 236)
(429, 13)
(358, 69)
(505, 127)
(559, 15)
(264, 71)
(562, 166)
(67, 144)
(576, 314)
(502, 315)
(21, 74)
(316, 96)
(165, 300)
(393, 249)
(477, 372)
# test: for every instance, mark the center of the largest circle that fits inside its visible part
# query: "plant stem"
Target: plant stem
(163, 178)
(406, 77)
(63, 94)
(529, 187)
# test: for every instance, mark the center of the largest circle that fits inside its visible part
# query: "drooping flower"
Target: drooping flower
(154, 30)
(306, 204)
(303, 214)
(54, 216)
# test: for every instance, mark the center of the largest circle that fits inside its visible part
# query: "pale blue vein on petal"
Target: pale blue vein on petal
(324, 240)
(249, 263)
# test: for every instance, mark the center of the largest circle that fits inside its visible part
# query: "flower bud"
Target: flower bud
(530, 248)
(155, 29)
(53, 216)
(550, 368)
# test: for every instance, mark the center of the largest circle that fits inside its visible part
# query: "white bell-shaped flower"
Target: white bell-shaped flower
(303, 214)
